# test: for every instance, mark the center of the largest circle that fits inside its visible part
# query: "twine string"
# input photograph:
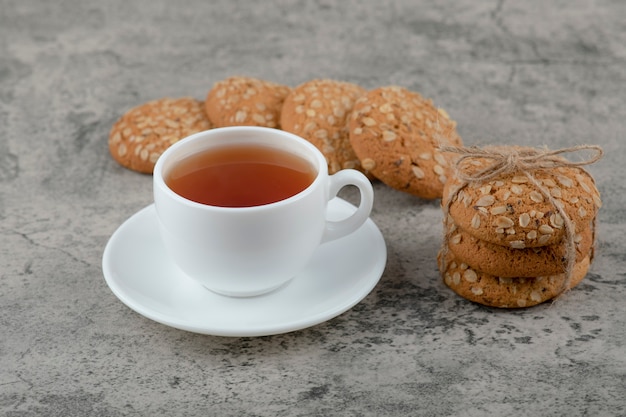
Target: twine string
(507, 160)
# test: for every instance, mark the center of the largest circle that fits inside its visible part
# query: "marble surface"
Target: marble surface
(530, 72)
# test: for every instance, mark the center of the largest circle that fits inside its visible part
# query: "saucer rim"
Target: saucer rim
(364, 288)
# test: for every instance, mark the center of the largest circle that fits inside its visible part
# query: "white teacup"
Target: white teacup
(248, 251)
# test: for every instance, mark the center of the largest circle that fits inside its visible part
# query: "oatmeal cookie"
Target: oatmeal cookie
(503, 261)
(495, 291)
(510, 210)
(245, 101)
(317, 111)
(396, 133)
(143, 133)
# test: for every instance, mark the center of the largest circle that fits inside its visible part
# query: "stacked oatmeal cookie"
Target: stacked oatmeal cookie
(520, 238)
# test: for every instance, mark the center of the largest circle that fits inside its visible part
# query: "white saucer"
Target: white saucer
(341, 274)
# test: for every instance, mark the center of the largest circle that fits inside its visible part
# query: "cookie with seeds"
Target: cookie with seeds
(245, 101)
(396, 134)
(144, 132)
(512, 211)
(318, 110)
(503, 261)
(494, 291)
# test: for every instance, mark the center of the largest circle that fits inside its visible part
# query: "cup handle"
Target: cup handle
(336, 229)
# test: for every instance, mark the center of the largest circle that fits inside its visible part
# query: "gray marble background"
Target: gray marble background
(534, 72)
